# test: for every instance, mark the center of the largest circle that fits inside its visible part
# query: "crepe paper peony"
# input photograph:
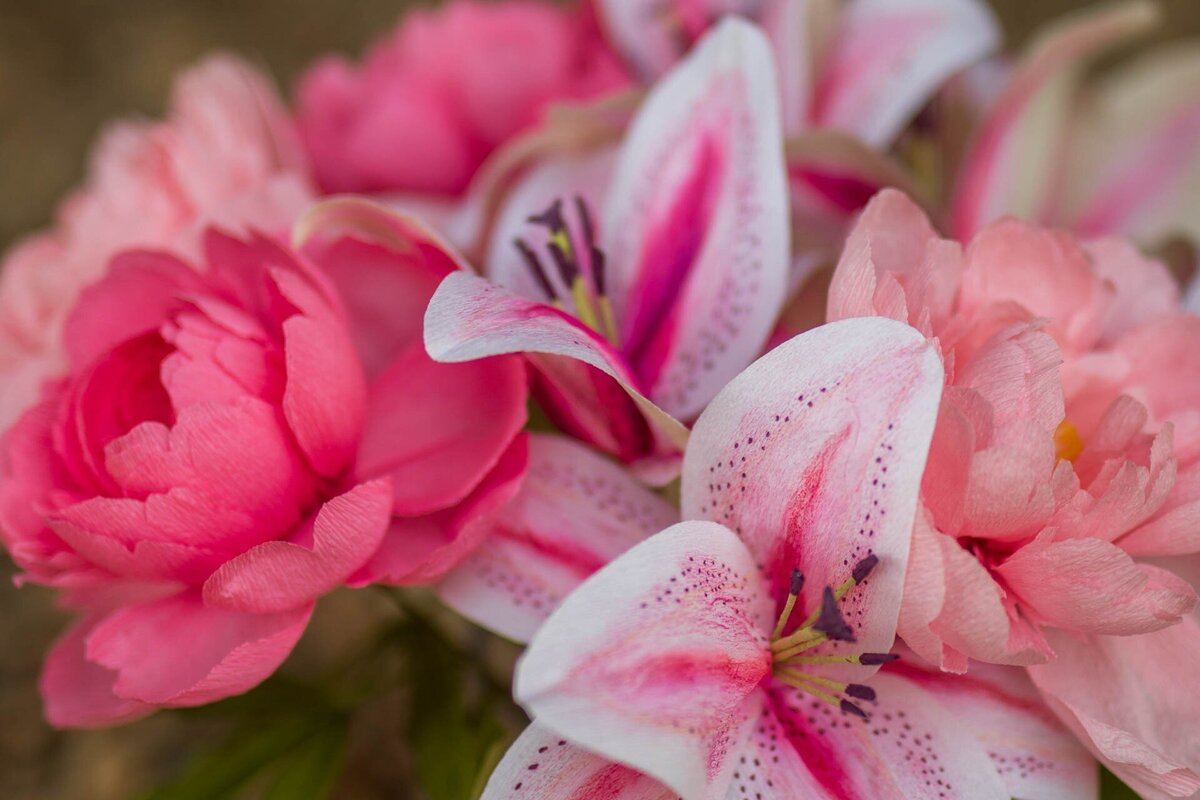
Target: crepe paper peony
(1066, 455)
(706, 663)
(448, 86)
(674, 290)
(221, 453)
(1109, 156)
(227, 154)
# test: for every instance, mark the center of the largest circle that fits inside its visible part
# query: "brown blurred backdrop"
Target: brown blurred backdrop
(67, 66)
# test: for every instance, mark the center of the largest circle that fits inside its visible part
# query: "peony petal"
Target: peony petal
(178, 652)
(419, 550)
(469, 318)
(324, 400)
(542, 764)
(78, 693)
(145, 285)
(283, 575)
(814, 456)
(696, 226)
(1091, 586)
(889, 57)
(910, 747)
(438, 429)
(576, 511)
(656, 660)
(1121, 696)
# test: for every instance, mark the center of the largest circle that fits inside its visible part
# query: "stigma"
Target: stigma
(579, 264)
(790, 654)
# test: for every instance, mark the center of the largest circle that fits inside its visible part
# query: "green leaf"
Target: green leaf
(1111, 787)
(309, 770)
(224, 770)
(454, 728)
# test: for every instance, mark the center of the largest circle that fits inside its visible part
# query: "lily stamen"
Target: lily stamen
(824, 624)
(581, 266)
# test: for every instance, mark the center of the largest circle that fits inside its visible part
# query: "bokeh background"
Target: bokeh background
(66, 67)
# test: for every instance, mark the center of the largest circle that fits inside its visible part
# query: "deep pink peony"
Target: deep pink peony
(1067, 453)
(227, 153)
(233, 438)
(448, 86)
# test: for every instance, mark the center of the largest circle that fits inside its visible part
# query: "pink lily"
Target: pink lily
(1114, 156)
(674, 291)
(689, 666)
(852, 76)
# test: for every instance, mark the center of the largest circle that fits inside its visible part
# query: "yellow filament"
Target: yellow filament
(795, 650)
(824, 660)
(609, 321)
(808, 688)
(826, 682)
(800, 636)
(1067, 441)
(783, 617)
(583, 303)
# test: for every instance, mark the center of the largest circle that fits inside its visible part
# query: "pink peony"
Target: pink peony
(432, 100)
(227, 447)
(1067, 452)
(226, 154)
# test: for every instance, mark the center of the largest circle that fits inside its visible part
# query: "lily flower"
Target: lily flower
(735, 654)
(1114, 156)
(674, 290)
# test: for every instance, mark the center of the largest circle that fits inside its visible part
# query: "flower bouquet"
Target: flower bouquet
(753, 399)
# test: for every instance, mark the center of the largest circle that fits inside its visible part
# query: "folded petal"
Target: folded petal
(179, 652)
(469, 318)
(910, 747)
(575, 512)
(1092, 586)
(78, 693)
(696, 227)
(283, 575)
(421, 549)
(656, 660)
(814, 455)
(1121, 696)
(888, 58)
(542, 764)
(438, 429)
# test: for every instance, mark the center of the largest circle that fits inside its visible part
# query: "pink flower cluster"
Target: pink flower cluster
(820, 501)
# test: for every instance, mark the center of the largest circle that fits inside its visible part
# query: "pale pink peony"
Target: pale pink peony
(1067, 451)
(225, 154)
(233, 438)
(434, 98)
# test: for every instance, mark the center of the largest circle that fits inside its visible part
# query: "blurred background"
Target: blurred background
(66, 67)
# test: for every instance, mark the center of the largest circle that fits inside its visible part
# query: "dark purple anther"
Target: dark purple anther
(830, 621)
(859, 691)
(797, 583)
(863, 568)
(850, 708)
(874, 659)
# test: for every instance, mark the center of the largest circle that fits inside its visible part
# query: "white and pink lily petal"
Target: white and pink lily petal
(575, 512)
(814, 456)
(688, 652)
(674, 287)
(863, 67)
(1015, 164)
